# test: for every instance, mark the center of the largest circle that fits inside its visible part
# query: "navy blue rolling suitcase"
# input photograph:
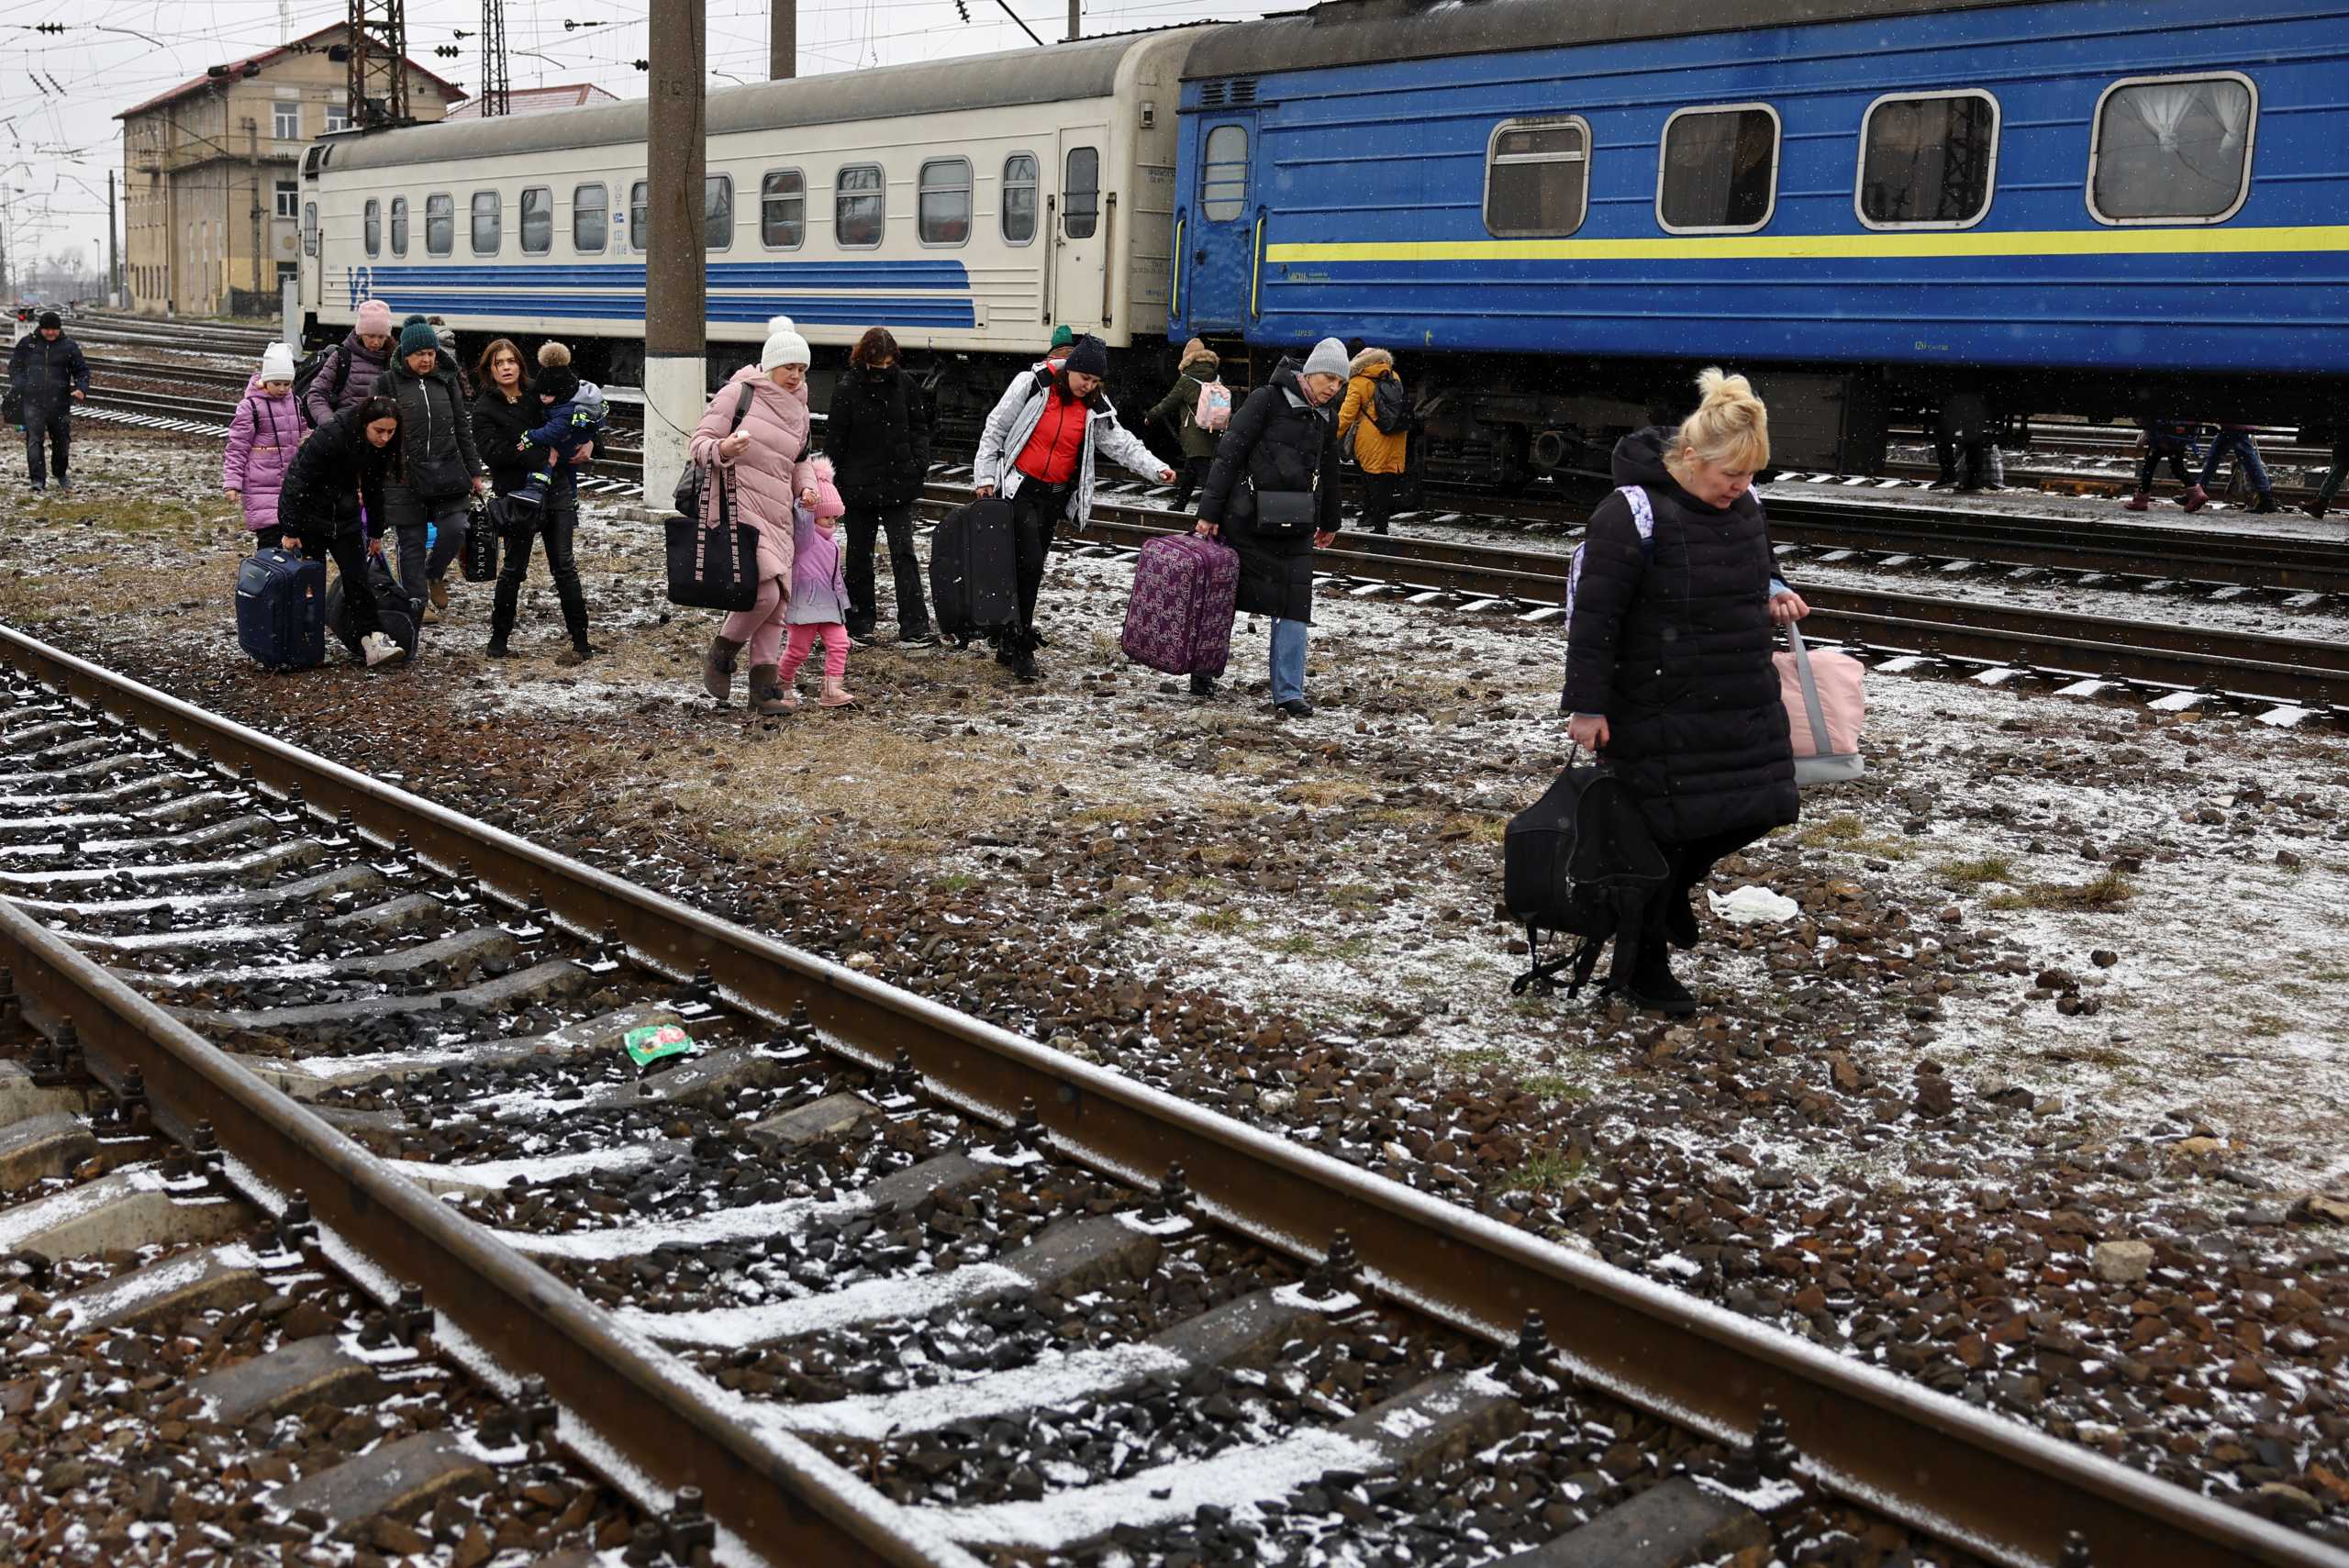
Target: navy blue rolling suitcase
(281, 609)
(974, 571)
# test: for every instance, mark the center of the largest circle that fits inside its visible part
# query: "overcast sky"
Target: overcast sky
(60, 92)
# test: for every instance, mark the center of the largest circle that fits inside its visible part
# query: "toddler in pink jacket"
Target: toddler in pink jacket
(818, 605)
(261, 440)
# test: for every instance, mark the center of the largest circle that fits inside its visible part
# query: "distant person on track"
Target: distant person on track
(348, 375)
(262, 438)
(1962, 435)
(48, 375)
(332, 504)
(1179, 411)
(1668, 670)
(2236, 439)
(1379, 453)
(439, 469)
(544, 494)
(2333, 476)
(2164, 440)
(878, 435)
(1283, 444)
(758, 464)
(1038, 450)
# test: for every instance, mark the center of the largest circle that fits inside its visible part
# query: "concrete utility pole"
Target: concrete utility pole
(1076, 28)
(114, 256)
(783, 41)
(675, 286)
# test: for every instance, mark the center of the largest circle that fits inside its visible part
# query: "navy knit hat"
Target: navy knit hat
(1090, 357)
(419, 339)
(48, 319)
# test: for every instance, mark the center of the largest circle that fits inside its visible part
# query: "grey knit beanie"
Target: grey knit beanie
(1328, 358)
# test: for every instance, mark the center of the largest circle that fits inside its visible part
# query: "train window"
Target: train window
(309, 228)
(1020, 198)
(717, 211)
(1223, 173)
(1537, 177)
(1718, 170)
(537, 221)
(371, 225)
(1927, 160)
(860, 207)
(489, 217)
(1081, 192)
(783, 209)
(942, 202)
(638, 195)
(590, 220)
(2172, 150)
(399, 226)
(440, 225)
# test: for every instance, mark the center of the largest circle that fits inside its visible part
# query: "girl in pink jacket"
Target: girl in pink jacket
(758, 465)
(261, 440)
(819, 606)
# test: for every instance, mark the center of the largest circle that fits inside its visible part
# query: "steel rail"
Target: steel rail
(1994, 1486)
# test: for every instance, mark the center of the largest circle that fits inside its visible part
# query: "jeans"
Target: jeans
(1288, 659)
(905, 571)
(556, 525)
(1036, 513)
(2177, 454)
(348, 547)
(56, 423)
(412, 516)
(2238, 442)
(1193, 473)
(1380, 491)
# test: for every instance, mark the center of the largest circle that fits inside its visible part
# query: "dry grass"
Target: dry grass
(2108, 890)
(1974, 872)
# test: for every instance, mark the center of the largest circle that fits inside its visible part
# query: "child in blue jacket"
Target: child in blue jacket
(574, 417)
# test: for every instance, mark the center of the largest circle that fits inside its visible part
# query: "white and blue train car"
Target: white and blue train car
(967, 205)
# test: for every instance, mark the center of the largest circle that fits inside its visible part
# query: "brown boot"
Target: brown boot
(836, 694)
(768, 698)
(718, 667)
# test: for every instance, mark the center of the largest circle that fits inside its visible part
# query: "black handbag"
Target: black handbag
(687, 495)
(12, 407)
(482, 530)
(1579, 863)
(1288, 513)
(713, 566)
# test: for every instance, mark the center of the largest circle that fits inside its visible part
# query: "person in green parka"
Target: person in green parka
(1179, 409)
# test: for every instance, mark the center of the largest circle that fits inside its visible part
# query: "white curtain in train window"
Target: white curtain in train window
(2173, 149)
(1719, 170)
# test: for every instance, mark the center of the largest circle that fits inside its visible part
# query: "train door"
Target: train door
(1082, 217)
(1220, 236)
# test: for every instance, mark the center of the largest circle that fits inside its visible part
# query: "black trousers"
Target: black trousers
(348, 549)
(1381, 494)
(53, 422)
(1036, 513)
(2175, 452)
(905, 571)
(1194, 474)
(556, 524)
(1976, 455)
(1691, 862)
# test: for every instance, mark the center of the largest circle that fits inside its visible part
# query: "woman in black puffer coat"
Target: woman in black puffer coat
(1281, 441)
(1668, 671)
(332, 504)
(877, 436)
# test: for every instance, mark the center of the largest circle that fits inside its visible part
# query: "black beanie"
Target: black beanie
(49, 318)
(561, 381)
(1090, 357)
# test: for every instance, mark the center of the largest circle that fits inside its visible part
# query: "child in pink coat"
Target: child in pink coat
(819, 604)
(261, 440)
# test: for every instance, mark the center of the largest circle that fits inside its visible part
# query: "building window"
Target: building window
(637, 196)
(289, 199)
(1537, 177)
(440, 225)
(488, 212)
(1926, 159)
(717, 211)
(399, 226)
(1081, 192)
(285, 121)
(337, 117)
(783, 209)
(309, 230)
(942, 202)
(537, 221)
(1020, 198)
(1223, 173)
(2173, 149)
(860, 207)
(372, 228)
(589, 219)
(1719, 170)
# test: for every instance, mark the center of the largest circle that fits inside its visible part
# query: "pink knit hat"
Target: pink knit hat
(374, 317)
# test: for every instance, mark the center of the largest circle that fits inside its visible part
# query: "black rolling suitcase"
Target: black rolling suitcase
(974, 571)
(392, 611)
(281, 609)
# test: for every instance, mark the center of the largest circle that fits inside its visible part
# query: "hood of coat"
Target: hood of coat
(396, 375)
(253, 389)
(1285, 378)
(359, 350)
(589, 399)
(1638, 459)
(1372, 362)
(1201, 361)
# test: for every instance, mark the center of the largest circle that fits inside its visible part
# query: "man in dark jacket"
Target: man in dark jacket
(878, 439)
(1280, 454)
(347, 376)
(48, 373)
(437, 472)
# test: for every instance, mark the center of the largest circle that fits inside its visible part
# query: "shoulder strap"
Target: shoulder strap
(1820, 745)
(741, 409)
(1643, 515)
(341, 371)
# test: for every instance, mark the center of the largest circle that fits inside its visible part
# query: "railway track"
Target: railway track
(882, 1283)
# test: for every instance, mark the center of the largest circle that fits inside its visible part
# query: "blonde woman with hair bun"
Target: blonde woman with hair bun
(1668, 672)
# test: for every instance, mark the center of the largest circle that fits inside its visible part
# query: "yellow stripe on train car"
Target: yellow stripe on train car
(2212, 241)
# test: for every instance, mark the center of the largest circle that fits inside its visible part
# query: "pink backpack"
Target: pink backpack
(1213, 411)
(1825, 695)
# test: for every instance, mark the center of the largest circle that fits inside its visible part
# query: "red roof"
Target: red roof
(538, 100)
(236, 68)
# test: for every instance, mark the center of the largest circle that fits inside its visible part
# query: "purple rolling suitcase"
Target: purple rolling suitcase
(1180, 618)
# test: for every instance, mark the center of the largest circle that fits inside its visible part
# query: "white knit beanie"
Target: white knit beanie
(784, 345)
(277, 362)
(1328, 358)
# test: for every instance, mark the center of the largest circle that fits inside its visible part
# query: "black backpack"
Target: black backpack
(1580, 863)
(1390, 407)
(307, 370)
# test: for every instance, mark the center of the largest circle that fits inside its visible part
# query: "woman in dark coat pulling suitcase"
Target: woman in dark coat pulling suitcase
(1668, 672)
(1281, 444)
(333, 493)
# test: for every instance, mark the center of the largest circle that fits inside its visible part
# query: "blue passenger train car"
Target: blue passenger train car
(1554, 211)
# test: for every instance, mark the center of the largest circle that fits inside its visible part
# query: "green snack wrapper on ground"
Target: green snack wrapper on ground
(654, 1042)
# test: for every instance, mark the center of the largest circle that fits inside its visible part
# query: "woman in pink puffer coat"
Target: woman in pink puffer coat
(760, 467)
(261, 440)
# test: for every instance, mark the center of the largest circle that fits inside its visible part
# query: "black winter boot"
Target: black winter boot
(1653, 986)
